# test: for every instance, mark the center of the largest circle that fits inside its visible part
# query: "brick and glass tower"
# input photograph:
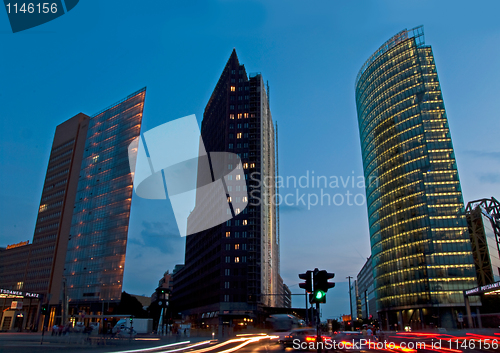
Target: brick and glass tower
(232, 269)
(421, 252)
(81, 230)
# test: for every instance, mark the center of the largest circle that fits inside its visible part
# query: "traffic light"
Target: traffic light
(307, 285)
(44, 309)
(321, 281)
(321, 286)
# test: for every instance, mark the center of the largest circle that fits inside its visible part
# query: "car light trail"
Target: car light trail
(154, 348)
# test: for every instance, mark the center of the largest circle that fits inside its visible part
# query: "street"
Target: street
(402, 342)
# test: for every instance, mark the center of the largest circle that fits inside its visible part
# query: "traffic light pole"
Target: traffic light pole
(307, 310)
(318, 328)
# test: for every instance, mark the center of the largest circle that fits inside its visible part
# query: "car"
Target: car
(300, 336)
(351, 340)
(125, 332)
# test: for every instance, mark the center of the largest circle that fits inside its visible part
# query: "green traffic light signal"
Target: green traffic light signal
(320, 295)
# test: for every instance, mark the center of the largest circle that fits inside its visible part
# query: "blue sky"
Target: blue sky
(310, 52)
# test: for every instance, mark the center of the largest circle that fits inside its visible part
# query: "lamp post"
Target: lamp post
(350, 302)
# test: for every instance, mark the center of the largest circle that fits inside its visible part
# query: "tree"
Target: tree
(129, 305)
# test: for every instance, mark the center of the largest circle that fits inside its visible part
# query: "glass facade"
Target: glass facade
(97, 241)
(418, 231)
(230, 269)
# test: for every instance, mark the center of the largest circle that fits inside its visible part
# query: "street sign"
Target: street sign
(460, 317)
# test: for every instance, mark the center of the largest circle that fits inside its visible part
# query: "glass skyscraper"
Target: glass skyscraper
(95, 257)
(80, 237)
(421, 251)
(232, 270)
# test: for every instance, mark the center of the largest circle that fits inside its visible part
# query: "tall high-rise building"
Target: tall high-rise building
(483, 219)
(81, 230)
(232, 270)
(422, 259)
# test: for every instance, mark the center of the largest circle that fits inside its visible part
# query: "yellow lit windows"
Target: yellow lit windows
(44, 207)
(237, 259)
(231, 116)
(238, 135)
(228, 234)
(245, 115)
(240, 115)
(245, 199)
(245, 165)
(229, 199)
(236, 246)
(237, 211)
(233, 89)
(95, 158)
(252, 165)
(245, 222)
(238, 177)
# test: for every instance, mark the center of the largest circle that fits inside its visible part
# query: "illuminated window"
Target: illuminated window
(240, 116)
(236, 259)
(233, 88)
(95, 158)
(229, 199)
(245, 199)
(236, 246)
(245, 222)
(43, 207)
(231, 116)
(245, 165)
(252, 165)
(228, 234)
(245, 115)
(238, 135)
(238, 177)
(237, 211)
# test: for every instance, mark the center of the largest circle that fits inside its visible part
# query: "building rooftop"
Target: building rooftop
(417, 33)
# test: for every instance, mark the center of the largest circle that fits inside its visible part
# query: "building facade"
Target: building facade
(421, 251)
(81, 230)
(233, 269)
(366, 291)
(483, 219)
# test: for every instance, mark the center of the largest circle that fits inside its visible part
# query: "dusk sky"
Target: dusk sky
(310, 52)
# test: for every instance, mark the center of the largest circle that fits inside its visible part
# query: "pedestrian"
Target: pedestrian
(369, 332)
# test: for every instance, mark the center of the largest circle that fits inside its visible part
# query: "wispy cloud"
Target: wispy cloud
(484, 154)
(491, 178)
(291, 208)
(158, 235)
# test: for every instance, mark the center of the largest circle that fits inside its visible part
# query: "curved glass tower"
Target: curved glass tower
(422, 259)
